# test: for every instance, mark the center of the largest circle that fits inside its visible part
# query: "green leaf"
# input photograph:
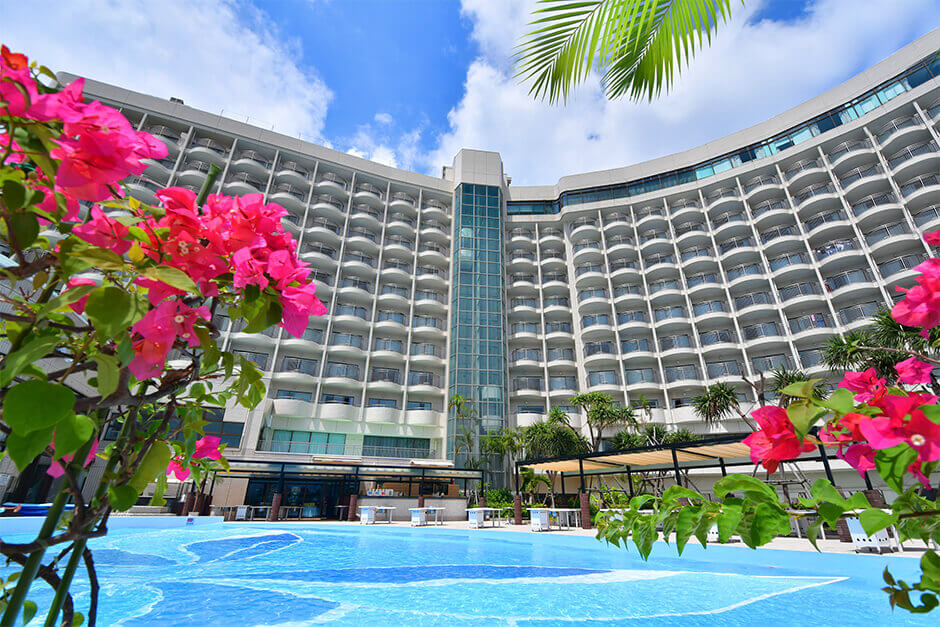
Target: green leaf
(830, 512)
(36, 405)
(728, 520)
(71, 433)
(152, 465)
(77, 619)
(110, 310)
(14, 194)
(930, 568)
(36, 347)
(823, 490)
(29, 610)
(874, 520)
(892, 464)
(685, 525)
(172, 277)
(109, 374)
(25, 228)
(842, 401)
(804, 415)
(100, 258)
(67, 297)
(801, 389)
(768, 522)
(754, 488)
(812, 531)
(24, 447)
(159, 490)
(123, 497)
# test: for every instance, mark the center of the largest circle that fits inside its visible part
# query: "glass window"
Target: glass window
(295, 395)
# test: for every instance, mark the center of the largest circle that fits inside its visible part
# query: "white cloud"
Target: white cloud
(382, 145)
(753, 71)
(214, 54)
(384, 118)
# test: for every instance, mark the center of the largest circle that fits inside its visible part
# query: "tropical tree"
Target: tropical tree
(782, 377)
(465, 436)
(602, 413)
(531, 481)
(652, 435)
(551, 438)
(639, 46)
(717, 402)
(504, 444)
(881, 345)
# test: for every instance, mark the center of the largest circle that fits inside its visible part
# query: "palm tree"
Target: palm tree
(531, 481)
(639, 46)
(505, 444)
(717, 402)
(782, 377)
(880, 346)
(601, 413)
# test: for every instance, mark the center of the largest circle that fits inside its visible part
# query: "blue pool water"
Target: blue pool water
(244, 574)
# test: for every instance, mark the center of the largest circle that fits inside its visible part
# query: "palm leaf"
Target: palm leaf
(639, 45)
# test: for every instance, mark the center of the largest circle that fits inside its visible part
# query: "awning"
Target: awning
(709, 449)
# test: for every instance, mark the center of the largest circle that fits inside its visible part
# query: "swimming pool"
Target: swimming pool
(250, 574)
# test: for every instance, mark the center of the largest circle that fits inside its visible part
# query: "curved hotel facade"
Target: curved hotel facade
(653, 281)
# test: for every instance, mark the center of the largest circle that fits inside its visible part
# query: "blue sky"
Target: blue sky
(410, 82)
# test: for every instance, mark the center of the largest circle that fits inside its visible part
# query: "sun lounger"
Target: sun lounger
(879, 541)
(241, 512)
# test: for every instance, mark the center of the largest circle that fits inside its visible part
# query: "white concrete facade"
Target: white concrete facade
(656, 294)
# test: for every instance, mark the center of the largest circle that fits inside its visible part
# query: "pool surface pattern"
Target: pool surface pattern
(238, 574)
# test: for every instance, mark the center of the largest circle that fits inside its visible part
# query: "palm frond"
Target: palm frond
(640, 46)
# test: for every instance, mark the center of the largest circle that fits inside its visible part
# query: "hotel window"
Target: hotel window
(602, 377)
(338, 399)
(229, 432)
(391, 403)
(419, 405)
(295, 395)
(339, 369)
(258, 359)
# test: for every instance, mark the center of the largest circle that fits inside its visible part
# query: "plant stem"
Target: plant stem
(211, 176)
(78, 549)
(15, 604)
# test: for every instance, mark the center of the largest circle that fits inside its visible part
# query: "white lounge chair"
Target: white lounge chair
(241, 512)
(540, 519)
(880, 541)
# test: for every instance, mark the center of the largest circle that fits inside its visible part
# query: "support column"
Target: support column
(420, 500)
(825, 461)
(585, 510)
(675, 466)
(517, 508)
(721, 464)
(200, 503)
(275, 507)
(188, 504)
(353, 505)
(630, 481)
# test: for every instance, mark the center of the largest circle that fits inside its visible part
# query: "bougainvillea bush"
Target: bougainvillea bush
(892, 431)
(107, 310)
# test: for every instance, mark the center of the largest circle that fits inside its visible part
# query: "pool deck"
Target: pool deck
(912, 549)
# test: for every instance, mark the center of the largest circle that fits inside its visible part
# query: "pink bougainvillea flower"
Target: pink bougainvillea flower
(79, 305)
(921, 305)
(157, 291)
(17, 87)
(932, 238)
(866, 384)
(913, 372)
(104, 232)
(916, 469)
(207, 447)
(776, 441)
(56, 469)
(860, 456)
(172, 319)
(178, 470)
(149, 358)
(13, 60)
(299, 303)
(904, 423)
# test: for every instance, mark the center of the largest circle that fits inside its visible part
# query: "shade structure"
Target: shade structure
(705, 452)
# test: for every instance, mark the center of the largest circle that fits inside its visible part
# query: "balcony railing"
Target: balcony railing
(896, 125)
(909, 153)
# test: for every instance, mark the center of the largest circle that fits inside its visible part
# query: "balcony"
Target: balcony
(855, 147)
(247, 182)
(800, 168)
(875, 200)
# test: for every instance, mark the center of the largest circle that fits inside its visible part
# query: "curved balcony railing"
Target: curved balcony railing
(810, 321)
(822, 218)
(835, 247)
(210, 144)
(336, 179)
(884, 232)
(919, 182)
(769, 205)
(872, 201)
(254, 155)
(807, 164)
(909, 153)
(296, 168)
(760, 181)
(894, 126)
(796, 290)
(846, 147)
(326, 199)
(814, 190)
(858, 174)
(777, 232)
(244, 177)
(849, 277)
